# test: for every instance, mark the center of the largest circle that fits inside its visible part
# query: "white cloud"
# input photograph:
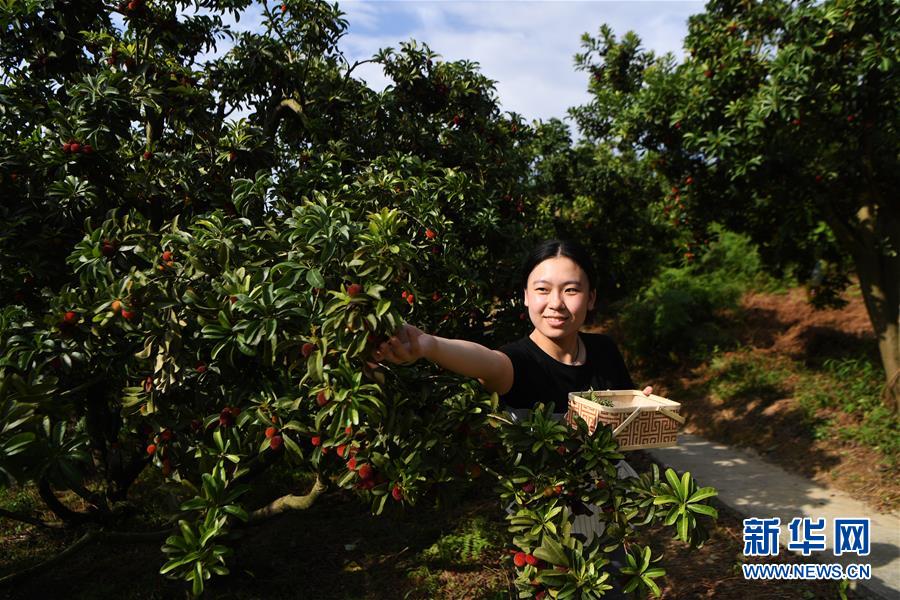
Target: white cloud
(528, 48)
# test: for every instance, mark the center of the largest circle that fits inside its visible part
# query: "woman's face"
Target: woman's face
(557, 297)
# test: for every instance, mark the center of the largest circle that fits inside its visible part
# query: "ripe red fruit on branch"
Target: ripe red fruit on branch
(151, 449)
(70, 317)
(366, 472)
(430, 234)
(275, 442)
(226, 417)
(307, 349)
(397, 493)
(271, 431)
(354, 289)
(519, 559)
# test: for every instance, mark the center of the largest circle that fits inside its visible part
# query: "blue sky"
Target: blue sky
(527, 48)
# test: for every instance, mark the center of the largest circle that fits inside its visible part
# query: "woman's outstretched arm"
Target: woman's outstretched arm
(492, 368)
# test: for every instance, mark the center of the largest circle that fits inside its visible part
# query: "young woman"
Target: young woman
(544, 366)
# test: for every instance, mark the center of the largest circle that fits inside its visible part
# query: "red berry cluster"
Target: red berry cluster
(75, 147)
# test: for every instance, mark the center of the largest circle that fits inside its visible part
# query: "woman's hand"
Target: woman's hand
(406, 346)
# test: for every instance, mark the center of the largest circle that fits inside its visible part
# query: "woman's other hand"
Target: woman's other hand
(406, 346)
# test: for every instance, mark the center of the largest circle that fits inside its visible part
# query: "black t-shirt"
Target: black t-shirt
(538, 377)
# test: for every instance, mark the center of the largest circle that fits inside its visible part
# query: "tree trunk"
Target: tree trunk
(874, 243)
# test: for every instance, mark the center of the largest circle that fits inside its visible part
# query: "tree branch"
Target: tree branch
(31, 520)
(289, 502)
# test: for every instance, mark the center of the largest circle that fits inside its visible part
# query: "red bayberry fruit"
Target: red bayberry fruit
(397, 493)
(271, 431)
(226, 417)
(430, 234)
(307, 349)
(70, 317)
(275, 442)
(531, 560)
(366, 472)
(519, 559)
(315, 440)
(354, 289)
(151, 449)
(321, 398)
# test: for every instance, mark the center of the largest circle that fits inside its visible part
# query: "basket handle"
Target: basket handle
(627, 421)
(666, 411)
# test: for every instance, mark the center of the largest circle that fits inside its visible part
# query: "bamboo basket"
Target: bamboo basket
(638, 421)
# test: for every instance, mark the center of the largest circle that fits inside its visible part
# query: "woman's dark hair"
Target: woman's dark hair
(568, 248)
